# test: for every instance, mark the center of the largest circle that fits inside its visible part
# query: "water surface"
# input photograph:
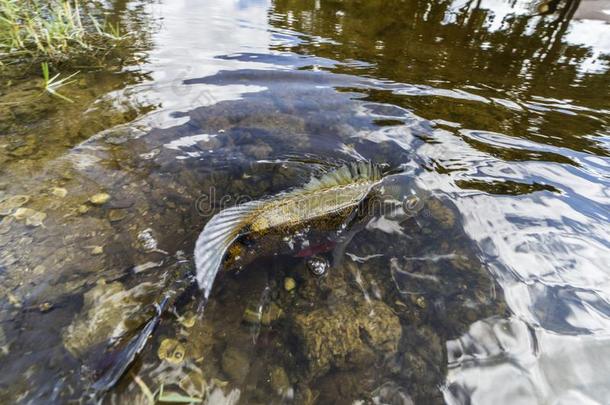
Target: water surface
(493, 288)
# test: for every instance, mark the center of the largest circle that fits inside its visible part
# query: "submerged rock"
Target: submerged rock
(8, 204)
(106, 308)
(235, 364)
(188, 319)
(59, 192)
(99, 199)
(4, 349)
(5, 225)
(265, 316)
(289, 284)
(116, 215)
(172, 351)
(280, 383)
(271, 314)
(317, 265)
(442, 214)
(31, 217)
(347, 335)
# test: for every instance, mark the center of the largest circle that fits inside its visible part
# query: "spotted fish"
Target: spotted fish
(336, 193)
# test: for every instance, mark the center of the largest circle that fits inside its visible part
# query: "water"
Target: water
(494, 287)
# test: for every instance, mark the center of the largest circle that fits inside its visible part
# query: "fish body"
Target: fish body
(301, 207)
(332, 196)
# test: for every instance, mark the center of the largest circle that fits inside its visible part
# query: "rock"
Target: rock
(31, 217)
(235, 364)
(172, 351)
(193, 384)
(13, 300)
(106, 308)
(82, 209)
(317, 265)
(4, 348)
(444, 215)
(45, 307)
(36, 219)
(97, 250)
(99, 199)
(271, 314)
(8, 204)
(251, 316)
(116, 140)
(347, 335)
(5, 225)
(188, 319)
(150, 155)
(59, 192)
(147, 240)
(259, 151)
(115, 215)
(279, 380)
(419, 300)
(22, 151)
(305, 396)
(289, 284)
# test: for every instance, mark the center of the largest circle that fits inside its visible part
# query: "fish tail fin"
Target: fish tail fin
(217, 235)
(346, 174)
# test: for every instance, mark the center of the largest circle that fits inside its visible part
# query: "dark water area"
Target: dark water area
(492, 286)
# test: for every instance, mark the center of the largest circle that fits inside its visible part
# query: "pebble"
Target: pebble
(420, 301)
(171, 351)
(235, 364)
(147, 240)
(97, 250)
(251, 316)
(99, 199)
(272, 314)
(188, 319)
(279, 380)
(289, 284)
(59, 192)
(13, 300)
(36, 219)
(317, 265)
(5, 226)
(7, 205)
(45, 307)
(82, 209)
(31, 217)
(116, 215)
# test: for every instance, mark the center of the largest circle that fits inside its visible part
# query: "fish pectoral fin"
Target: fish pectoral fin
(216, 238)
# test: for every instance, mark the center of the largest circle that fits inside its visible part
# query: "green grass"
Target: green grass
(53, 84)
(52, 30)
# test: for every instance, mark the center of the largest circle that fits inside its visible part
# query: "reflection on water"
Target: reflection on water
(495, 288)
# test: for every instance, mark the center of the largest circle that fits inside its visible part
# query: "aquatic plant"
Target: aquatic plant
(52, 84)
(52, 30)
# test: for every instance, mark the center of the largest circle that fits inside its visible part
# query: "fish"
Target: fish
(331, 197)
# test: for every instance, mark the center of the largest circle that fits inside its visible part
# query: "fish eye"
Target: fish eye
(410, 204)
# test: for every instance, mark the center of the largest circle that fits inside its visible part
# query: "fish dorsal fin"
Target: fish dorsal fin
(346, 174)
(217, 235)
